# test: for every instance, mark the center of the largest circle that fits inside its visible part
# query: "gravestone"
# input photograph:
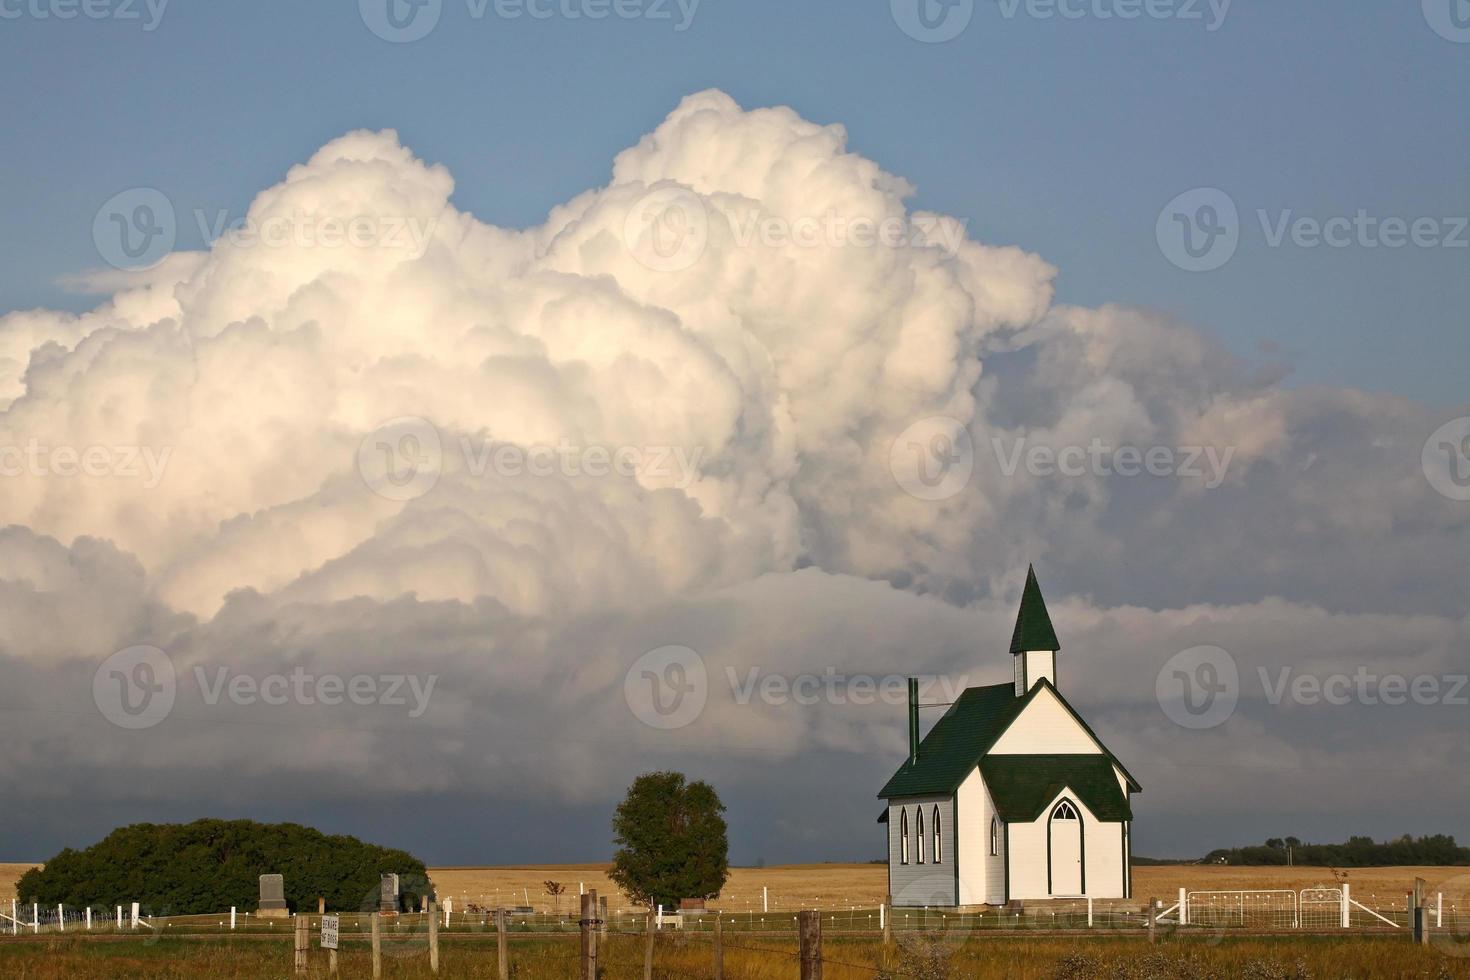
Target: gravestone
(272, 898)
(388, 894)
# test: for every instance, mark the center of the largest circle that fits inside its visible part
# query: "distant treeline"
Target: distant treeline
(1358, 852)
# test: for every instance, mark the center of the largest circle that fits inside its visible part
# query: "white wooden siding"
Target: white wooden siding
(933, 882)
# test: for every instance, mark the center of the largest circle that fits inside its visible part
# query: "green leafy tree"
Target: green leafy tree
(672, 840)
(210, 865)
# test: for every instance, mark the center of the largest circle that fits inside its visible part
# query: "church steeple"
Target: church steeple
(1034, 641)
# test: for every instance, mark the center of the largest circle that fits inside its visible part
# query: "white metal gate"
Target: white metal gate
(1265, 909)
(1321, 908)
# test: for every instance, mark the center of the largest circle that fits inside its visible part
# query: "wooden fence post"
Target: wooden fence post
(809, 928)
(303, 943)
(885, 917)
(589, 936)
(433, 911)
(1153, 908)
(648, 949)
(501, 954)
(719, 948)
(376, 919)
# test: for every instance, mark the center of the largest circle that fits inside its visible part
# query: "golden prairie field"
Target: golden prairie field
(808, 886)
(799, 886)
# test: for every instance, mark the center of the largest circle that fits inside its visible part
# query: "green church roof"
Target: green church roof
(1033, 624)
(969, 729)
(958, 740)
(1022, 786)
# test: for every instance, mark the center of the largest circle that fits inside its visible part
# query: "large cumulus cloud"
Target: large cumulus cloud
(777, 374)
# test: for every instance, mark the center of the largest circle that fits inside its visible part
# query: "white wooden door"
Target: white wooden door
(1066, 849)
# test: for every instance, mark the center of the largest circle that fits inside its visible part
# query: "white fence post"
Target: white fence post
(119, 918)
(1089, 911)
(1183, 907)
(135, 915)
(448, 907)
(14, 922)
(1347, 906)
(882, 916)
(660, 916)
(60, 918)
(232, 918)
(765, 899)
(35, 917)
(89, 918)
(1439, 912)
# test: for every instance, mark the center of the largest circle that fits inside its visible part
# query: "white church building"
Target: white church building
(1011, 796)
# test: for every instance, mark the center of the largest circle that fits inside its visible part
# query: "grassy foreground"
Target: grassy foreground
(689, 959)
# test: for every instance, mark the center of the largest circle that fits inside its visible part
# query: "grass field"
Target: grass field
(690, 959)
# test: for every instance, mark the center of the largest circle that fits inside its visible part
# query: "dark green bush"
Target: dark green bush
(211, 865)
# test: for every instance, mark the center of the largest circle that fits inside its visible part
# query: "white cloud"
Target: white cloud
(783, 371)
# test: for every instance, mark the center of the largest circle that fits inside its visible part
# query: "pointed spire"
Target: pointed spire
(1033, 624)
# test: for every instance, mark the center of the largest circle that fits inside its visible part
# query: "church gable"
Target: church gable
(1046, 727)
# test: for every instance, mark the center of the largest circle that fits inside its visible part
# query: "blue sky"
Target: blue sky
(1063, 136)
